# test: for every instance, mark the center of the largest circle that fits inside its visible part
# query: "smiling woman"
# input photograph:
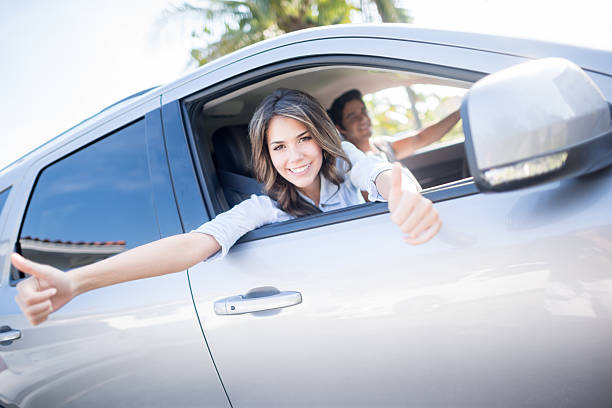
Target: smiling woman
(306, 170)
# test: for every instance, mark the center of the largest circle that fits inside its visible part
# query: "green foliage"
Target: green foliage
(392, 114)
(390, 13)
(246, 22)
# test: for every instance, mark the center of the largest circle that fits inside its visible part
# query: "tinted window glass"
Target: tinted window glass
(3, 197)
(92, 204)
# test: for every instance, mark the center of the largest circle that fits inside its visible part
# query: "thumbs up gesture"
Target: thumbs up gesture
(413, 213)
(45, 291)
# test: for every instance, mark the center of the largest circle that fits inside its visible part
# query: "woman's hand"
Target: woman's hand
(413, 213)
(44, 292)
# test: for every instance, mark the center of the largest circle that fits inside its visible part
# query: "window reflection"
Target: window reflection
(3, 196)
(68, 254)
(92, 204)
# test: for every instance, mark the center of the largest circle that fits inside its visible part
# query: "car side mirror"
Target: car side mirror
(535, 122)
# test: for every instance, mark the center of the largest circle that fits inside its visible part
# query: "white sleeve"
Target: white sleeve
(366, 168)
(364, 171)
(250, 214)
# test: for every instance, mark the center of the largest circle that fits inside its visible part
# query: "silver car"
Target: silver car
(510, 305)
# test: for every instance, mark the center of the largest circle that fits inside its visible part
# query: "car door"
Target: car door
(495, 310)
(508, 305)
(136, 344)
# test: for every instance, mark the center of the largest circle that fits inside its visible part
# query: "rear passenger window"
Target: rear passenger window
(92, 204)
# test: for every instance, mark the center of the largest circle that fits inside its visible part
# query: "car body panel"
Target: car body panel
(471, 60)
(493, 311)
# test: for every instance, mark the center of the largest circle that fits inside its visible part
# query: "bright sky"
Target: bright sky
(64, 60)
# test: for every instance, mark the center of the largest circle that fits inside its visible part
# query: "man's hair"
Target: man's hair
(335, 111)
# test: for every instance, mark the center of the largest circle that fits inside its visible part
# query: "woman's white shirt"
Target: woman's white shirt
(256, 211)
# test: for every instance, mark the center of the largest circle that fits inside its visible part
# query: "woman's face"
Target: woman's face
(295, 154)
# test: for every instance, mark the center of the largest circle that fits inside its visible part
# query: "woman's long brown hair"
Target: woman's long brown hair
(304, 108)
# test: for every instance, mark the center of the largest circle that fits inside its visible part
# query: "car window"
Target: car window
(3, 196)
(218, 118)
(92, 204)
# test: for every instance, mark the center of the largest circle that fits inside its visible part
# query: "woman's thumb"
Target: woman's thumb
(29, 267)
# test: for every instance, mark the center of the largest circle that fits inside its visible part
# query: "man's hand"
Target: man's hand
(44, 292)
(413, 213)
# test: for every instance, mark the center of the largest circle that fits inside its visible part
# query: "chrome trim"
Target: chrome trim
(10, 335)
(239, 304)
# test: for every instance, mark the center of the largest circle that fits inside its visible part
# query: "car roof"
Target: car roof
(589, 59)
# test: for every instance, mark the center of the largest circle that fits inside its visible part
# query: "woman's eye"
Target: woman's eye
(305, 138)
(278, 147)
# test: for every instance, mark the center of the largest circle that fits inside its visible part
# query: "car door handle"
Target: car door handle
(241, 304)
(8, 335)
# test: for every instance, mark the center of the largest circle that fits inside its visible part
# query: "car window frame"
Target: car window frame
(453, 190)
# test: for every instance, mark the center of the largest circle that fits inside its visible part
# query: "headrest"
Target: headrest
(233, 149)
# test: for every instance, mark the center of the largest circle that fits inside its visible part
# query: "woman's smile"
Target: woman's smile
(300, 170)
(295, 155)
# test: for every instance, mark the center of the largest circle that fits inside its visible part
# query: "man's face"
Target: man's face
(356, 123)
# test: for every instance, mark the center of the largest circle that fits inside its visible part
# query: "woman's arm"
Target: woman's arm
(408, 145)
(48, 288)
(414, 214)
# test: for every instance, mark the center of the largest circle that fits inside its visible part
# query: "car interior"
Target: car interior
(219, 127)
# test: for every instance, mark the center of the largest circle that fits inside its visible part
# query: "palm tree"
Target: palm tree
(245, 22)
(390, 13)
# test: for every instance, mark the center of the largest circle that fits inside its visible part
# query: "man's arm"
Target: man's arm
(408, 145)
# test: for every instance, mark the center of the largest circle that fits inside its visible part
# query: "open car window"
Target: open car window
(218, 121)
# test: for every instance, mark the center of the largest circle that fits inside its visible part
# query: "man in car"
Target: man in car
(349, 114)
